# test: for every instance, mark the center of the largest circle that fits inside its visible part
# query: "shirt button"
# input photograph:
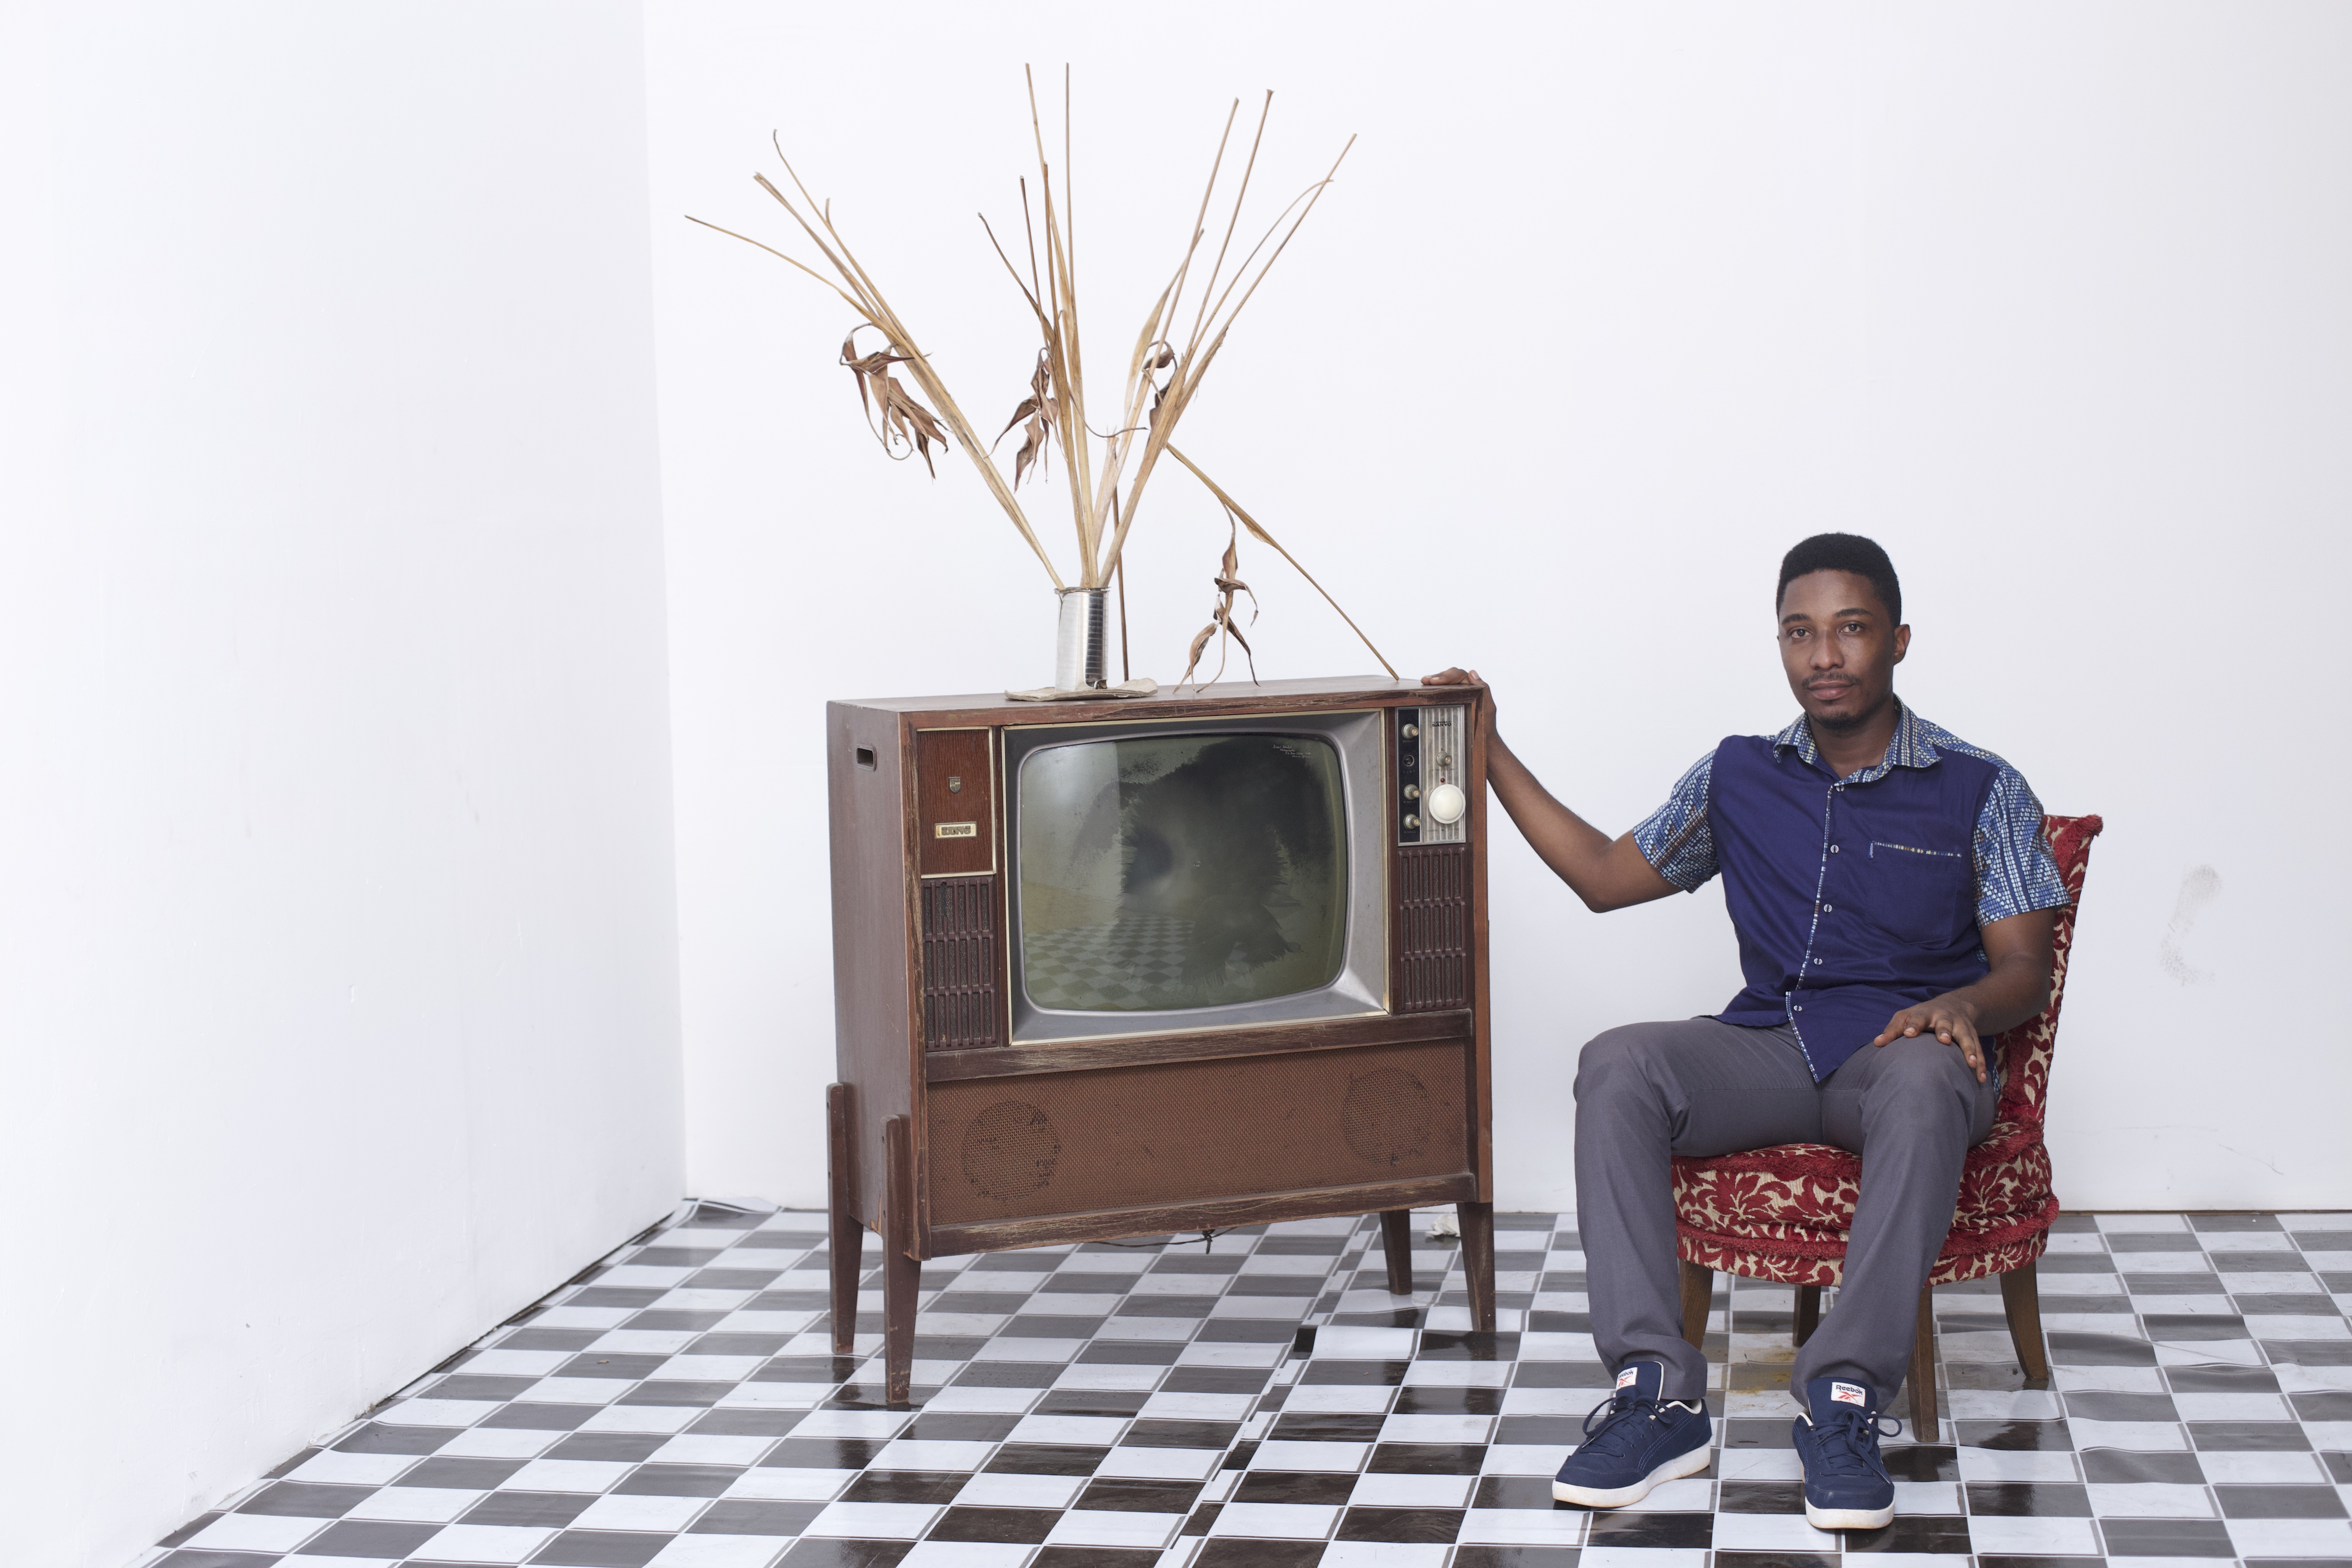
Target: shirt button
(1833, 848)
(1817, 963)
(1829, 908)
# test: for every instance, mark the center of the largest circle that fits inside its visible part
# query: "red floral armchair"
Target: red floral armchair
(1782, 1213)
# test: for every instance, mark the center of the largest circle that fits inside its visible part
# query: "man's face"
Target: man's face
(1839, 647)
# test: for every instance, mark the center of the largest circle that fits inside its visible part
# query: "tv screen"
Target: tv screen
(1167, 873)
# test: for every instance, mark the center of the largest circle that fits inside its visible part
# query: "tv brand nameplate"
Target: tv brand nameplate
(956, 830)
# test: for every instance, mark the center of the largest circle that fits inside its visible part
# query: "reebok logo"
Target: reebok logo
(1848, 1393)
(1629, 1377)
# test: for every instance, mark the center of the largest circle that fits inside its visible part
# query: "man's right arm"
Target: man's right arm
(1606, 873)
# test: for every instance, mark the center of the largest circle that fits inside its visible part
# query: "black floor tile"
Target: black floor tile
(306, 1500)
(1515, 1557)
(2034, 1499)
(2122, 1466)
(2249, 1435)
(1009, 1374)
(678, 1480)
(1469, 1346)
(906, 1486)
(539, 1418)
(2072, 1347)
(1561, 1431)
(2219, 1379)
(1328, 1489)
(1431, 1400)
(746, 1516)
(380, 1439)
(1773, 1560)
(1922, 1461)
(369, 1538)
(1183, 1434)
(1131, 1353)
(820, 1552)
(1933, 1532)
(1515, 1491)
(1091, 1402)
(1326, 1427)
(1561, 1375)
(1027, 1526)
(1755, 1432)
(1135, 1495)
(823, 1453)
(465, 1386)
(1762, 1497)
(2105, 1406)
(1682, 1531)
(1242, 1552)
(1214, 1380)
(2279, 1503)
(1428, 1458)
(1045, 1459)
(1438, 1525)
(545, 1509)
(461, 1475)
(2328, 1405)
(1093, 1557)
(2167, 1538)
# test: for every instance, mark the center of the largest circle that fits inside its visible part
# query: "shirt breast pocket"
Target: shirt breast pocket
(1921, 895)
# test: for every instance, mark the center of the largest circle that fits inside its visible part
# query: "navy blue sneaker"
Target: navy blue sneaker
(1846, 1483)
(1641, 1441)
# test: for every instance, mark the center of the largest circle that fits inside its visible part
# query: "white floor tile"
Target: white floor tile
(1926, 1496)
(482, 1543)
(2143, 1437)
(1770, 1533)
(1383, 1554)
(1522, 1460)
(1437, 1428)
(882, 1520)
(2291, 1537)
(1342, 1458)
(1522, 1527)
(1279, 1520)
(1000, 1489)
(721, 1551)
(2148, 1499)
(1114, 1527)
(631, 1513)
(2256, 1468)
(710, 1448)
(254, 1532)
(1100, 1431)
(852, 1424)
(782, 1484)
(420, 1505)
(966, 1554)
(2004, 1536)
(1345, 1397)
(2002, 1465)
(1377, 1489)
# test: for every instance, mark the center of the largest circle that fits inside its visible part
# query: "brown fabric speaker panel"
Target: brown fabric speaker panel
(962, 1006)
(1054, 1143)
(1432, 968)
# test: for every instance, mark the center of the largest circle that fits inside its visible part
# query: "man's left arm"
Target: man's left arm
(2016, 989)
(2019, 895)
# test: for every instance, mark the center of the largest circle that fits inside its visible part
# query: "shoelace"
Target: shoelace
(1622, 1433)
(1848, 1442)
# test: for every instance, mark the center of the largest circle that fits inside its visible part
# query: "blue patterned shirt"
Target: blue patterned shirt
(2015, 871)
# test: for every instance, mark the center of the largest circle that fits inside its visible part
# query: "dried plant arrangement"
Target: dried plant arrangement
(1105, 468)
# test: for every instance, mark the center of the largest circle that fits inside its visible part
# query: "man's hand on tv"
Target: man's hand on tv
(1454, 675)
(1951, 1018)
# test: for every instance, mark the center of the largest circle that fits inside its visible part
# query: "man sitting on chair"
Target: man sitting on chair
(1894, 900)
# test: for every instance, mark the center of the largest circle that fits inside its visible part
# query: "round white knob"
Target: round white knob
(1445, 805)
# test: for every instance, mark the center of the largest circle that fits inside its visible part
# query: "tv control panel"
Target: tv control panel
(1432, 765)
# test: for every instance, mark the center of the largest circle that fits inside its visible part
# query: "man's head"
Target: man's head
(1842, 631)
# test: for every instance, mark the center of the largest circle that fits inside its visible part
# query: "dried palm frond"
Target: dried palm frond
(1042, 414)
(1221, 620)
(1258, 532)
(901, 416)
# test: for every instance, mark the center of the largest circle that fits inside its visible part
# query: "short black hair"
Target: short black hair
(1843, 552)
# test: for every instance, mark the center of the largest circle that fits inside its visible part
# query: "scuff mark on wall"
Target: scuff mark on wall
(2198, 888)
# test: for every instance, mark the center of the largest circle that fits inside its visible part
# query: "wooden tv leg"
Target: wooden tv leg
(1699, 1302)
(1396, 1243)
(901, 1274)
(1477, 1223)
(1923, 1414)
(848, 1236)
(2020, 1302)
(1809, 1311)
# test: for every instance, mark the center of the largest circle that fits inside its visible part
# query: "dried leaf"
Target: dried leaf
(1043, 415)
(1228, 582)
(885, 398)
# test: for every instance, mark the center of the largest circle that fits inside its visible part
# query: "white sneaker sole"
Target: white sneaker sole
(1673, 1469)
(1849, 1517)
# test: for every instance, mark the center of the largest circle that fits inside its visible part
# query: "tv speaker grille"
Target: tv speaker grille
(1433, 929)
(961, 994)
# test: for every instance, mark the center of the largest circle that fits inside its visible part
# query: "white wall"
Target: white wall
(337, 963)
(1612, 305)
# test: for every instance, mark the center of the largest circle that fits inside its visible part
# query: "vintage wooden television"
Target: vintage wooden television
(1123, 968)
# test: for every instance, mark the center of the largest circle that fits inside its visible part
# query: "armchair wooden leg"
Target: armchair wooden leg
(1925, 1417)
(901, 1274)
(2020, 1302)
(1809, 1311)
(847, 1237)
(1477, 1223)
(1699, 1301)
(1396, 1244)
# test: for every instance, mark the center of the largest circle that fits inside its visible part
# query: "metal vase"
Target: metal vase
(1078, 641)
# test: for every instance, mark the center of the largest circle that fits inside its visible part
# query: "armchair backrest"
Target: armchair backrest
(2025, 1050)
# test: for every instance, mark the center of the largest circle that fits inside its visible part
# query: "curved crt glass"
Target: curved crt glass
(1172, 872)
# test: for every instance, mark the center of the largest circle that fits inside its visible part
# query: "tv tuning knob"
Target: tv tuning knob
(1413, 792)
(1446, 804)
(1412, 822)
(1410, 731)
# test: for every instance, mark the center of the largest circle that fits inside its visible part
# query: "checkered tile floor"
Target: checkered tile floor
(1266, 1403)
(1134, 962)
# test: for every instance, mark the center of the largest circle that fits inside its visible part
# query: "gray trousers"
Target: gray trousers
(1697, 1086)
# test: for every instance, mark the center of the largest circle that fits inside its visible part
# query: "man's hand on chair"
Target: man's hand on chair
(1951, 1018)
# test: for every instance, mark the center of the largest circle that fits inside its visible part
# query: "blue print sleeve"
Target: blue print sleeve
(1676, 837)
(2016, 872)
